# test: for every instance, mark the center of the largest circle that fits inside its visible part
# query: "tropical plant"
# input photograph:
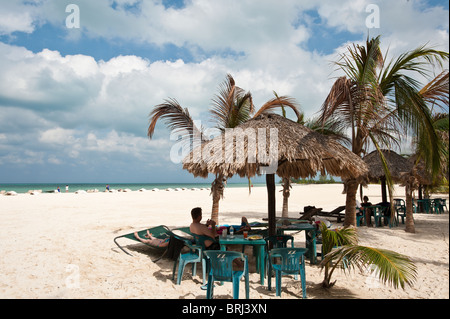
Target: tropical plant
(341, 251)
(230, 108)
(435, 93)
(379, 102)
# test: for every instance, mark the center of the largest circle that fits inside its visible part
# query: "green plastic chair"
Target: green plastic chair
(193, 256)
(199, 240)
(220, 265)
(378, 215)
(280, 241)
(444, 205)
(292, 262)
(360, 218)
(400, 208)
(439, 205)
(277, 241)
(424, 205)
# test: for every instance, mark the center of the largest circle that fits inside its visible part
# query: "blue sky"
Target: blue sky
(74, 102)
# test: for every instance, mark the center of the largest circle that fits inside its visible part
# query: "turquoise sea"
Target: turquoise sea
(51, 187)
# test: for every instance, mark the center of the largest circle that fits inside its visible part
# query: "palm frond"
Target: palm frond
(391, 268)
(279, 102)
(176, 118)
(332, 128)
(232, 106)
(417, 60)
(337, 237)
(437, 90)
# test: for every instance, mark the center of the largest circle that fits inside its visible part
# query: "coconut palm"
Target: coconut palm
(420, 174)
(341, 250)
(435, 93)
(231, 107)
(379, 102)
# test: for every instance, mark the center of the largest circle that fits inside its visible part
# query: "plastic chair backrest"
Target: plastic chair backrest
(200, 239)
(280, 241)
(221, 263)
(291, 258)
(399, 202)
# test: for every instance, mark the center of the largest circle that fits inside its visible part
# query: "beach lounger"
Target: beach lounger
(310, 211)
(161, 232)
(181, 259)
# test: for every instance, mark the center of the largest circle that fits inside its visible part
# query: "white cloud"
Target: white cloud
(15, 16)
(347, 15)
(57, 136)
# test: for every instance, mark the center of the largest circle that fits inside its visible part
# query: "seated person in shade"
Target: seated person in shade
(198, 228)
(157, 242)
(367, 211)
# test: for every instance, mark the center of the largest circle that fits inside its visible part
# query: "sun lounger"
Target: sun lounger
(310, 211)
(161, 232)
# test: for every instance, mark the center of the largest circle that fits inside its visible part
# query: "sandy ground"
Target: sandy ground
(61, 245)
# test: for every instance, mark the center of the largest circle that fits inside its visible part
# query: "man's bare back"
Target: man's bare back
(202, 229)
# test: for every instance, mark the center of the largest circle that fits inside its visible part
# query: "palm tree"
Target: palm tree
(231, 107)
(379, 102)
(340, 248)
(435, 93)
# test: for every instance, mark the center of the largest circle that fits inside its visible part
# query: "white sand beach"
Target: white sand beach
(61, 245)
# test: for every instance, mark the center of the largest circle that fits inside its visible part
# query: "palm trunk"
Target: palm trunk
(217, 187)
(409, 222)
(286, 194)
(215, 207)
(350, 203)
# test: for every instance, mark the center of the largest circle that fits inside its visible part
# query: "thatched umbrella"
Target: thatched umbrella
(271, 144)
(397, 165)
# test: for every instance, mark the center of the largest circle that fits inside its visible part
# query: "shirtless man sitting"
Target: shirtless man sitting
(202, 229)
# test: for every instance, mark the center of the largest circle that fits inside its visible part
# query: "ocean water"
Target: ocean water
(51, 187)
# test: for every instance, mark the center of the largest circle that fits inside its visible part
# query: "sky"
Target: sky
(79, 78)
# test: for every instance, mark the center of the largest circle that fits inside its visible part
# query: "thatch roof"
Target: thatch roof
(297, 152)
(397, 164)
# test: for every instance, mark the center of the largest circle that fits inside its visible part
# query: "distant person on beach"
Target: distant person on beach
(157, 242)
(203, 229)
(59, 191)
(107, 187)
(67, 188)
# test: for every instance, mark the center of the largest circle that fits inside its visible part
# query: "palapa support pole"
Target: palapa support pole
(270, 183)
(383, 190)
